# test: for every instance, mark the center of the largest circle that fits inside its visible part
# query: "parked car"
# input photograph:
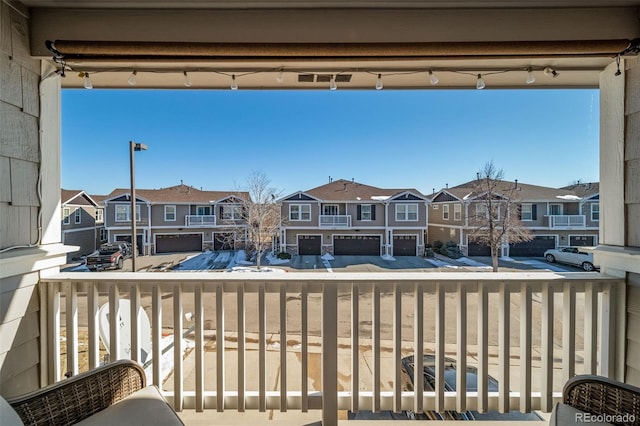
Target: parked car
(110, 255)
(573, 256)
(450, 385)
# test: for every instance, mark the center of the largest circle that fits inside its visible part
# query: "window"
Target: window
(555, 209)
(78, 215)
(526, 212)
(100, 215)
(457, 212)
(203, 210)
(123, 213)
(445, 212)
(330, 210)
(300, 212)
(365, 212)
(170, 213)
(103, 234)
(481, 210)
(595, 212)
(66, 212)
(232, 212)
(407, 212)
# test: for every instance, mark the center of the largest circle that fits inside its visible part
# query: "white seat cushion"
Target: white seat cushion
(145, 407)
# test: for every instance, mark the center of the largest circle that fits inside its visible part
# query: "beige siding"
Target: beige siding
(440, 233)
(19, 162)
(422, 215)
(632, 202)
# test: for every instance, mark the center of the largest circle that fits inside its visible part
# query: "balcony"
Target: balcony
(564, 221)
(335, 221)
(254, 344)
(199, 221)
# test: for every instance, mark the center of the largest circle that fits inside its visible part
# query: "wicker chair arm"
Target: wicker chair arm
(600, 395)
(71, 400)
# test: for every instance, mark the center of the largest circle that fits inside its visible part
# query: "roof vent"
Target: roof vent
(339, 78)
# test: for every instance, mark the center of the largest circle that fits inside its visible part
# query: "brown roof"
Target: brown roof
(584, 190)
(347, 190)
(526, 192)
(67, 195)
(178, 194)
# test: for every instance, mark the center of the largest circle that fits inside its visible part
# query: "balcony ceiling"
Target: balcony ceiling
(345, 4)
(356, 40)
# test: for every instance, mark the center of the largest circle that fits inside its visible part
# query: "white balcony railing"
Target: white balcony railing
(335, 221)
(530, 331)
(567, 221)
(200, 220)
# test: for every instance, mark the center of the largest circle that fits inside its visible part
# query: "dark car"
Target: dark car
(450, 372)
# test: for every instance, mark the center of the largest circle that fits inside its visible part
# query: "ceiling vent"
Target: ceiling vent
(305, 78)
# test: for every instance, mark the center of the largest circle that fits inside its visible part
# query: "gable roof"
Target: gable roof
(525, 192)
(585, 190)
(348, 190)
(179, 194)
(68, 196)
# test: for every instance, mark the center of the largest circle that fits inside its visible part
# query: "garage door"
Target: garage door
(223, 241)
(404, 245)
(476, 249)
(535, 247)
(309, 244)
(173, 243)
(585, 240)
(359, 245)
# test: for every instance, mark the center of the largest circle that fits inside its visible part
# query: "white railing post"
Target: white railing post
(71, 302)
(329, 354)
(483, 348)
(525, 347)
(504, 349)
(461, 352)
(547, 306)
(568, 331)
(355, 348)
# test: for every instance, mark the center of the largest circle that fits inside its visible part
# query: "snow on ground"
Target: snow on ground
(543, 265)
(249, 269)
(327, 256)
(440, 264)
(471, 262)
(80, 268)
(199, 262)
(387, 257)
(273, 260)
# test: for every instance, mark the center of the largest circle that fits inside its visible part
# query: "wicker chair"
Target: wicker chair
(94, 393)
(614, 402)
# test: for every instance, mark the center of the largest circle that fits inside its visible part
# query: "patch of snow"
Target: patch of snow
(327, 256)
(380, 197)
(543, 265)
(568, 197)
(388, 257)
(273, 260)
(200, 262)
(247, 269)
(80, 268)
(441, 264)
(471, 262)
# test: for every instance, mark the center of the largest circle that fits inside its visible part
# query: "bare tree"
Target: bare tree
(260, 213)
(496, 220)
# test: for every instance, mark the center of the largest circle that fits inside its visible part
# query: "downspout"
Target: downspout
(387, 232)
(147, 243)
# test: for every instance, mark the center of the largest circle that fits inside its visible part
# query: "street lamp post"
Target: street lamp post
(133, 146)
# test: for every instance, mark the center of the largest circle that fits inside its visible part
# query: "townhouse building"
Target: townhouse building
(345, 217)
(82, 222)
(555, 216)
(180, 218)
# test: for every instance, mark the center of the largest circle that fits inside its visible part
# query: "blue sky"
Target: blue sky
(394, 139)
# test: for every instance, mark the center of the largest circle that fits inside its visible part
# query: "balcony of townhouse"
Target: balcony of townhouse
(199, 221)
(244, 345)
(335, 221)
(566, 221)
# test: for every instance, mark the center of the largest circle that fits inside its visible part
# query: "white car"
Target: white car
(573, 256)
